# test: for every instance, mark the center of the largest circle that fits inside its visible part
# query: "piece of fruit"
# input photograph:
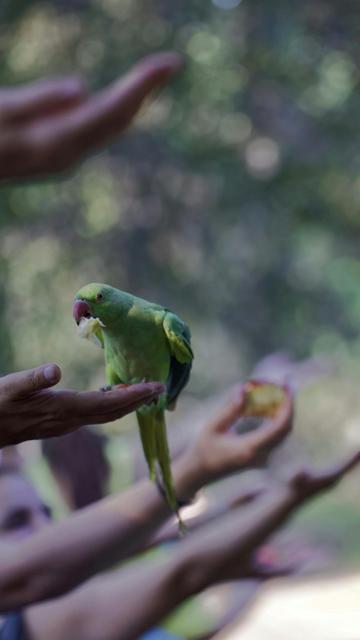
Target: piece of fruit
(262, 399)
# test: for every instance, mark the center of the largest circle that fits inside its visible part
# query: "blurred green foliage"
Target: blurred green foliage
(234, 199)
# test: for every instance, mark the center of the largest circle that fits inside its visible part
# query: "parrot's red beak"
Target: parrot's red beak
(80, 310)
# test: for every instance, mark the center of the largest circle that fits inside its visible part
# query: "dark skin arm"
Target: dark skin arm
(128, 602)
(30, 408)
(222, 451)
(64, 555)
(48, 126)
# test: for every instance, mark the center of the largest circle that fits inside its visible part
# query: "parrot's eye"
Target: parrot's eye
(99, 297)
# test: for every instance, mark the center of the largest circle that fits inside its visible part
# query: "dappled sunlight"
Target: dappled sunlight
(41, 38)
(262, 157)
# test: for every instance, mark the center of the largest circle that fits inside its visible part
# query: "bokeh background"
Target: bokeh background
(234, 199)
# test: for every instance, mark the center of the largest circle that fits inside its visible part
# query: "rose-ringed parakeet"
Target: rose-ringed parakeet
(141, 341)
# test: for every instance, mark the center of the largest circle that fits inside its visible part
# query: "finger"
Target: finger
(334, 475)
(112, 403)
(110, 111)
(306, 482)
(266, 572)
(24, 383)
(113, 414)
(273, 430)
(230, 413)
(24, 103)
(347, 465)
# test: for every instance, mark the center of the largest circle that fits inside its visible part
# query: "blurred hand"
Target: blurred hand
(219, 450)
(47, 126)
(306, 483)
(227, 549)
(298, 488)
(30, 408)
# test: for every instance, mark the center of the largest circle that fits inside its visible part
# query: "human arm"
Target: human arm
(64, 555)
(219, 450)
(48, 126)
(128, 602)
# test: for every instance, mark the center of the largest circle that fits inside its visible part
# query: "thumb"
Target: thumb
(230, 413)
(27, 382)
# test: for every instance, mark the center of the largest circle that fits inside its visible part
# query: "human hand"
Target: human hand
(48, 126)
(219, 450)
(224, 551)
(306, 483)
(30, 408)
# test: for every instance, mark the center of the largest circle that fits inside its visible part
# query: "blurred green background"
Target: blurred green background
(234, 199)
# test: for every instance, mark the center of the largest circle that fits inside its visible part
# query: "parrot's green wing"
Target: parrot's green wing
(178, 335)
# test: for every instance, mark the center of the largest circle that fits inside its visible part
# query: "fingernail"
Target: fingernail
(163, 65)
(156, 387)
(51, 373)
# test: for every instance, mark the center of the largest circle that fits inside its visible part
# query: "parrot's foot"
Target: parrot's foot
(106, 387)
(110, 387)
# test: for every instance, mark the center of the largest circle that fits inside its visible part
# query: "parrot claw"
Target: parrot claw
(153, 401)
(110, 387)
(106, 387)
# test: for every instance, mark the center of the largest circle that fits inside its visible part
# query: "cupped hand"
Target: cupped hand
(219, 450)
(30, 408)
(47, 126)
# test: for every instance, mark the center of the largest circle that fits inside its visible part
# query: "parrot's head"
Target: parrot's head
(96, 301)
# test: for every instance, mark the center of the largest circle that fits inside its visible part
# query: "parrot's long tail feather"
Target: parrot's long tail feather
(164, 460)
(153, 432)
(148, 438)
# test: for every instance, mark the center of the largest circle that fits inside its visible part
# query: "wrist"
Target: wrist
(287, 493)
(190, 572)
(188, 476)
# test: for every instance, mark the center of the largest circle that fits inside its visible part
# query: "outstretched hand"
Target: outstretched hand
(306, 483)
(219, 450)
(225, 551)
(48, 126)
(298, 488)
(30, 408)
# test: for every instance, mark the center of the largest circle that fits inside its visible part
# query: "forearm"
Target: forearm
(122, 604)
(65, 554)
(221, 552)
(128, 602)
(205, 511)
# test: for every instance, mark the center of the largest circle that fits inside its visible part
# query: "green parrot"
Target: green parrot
(141, 341)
